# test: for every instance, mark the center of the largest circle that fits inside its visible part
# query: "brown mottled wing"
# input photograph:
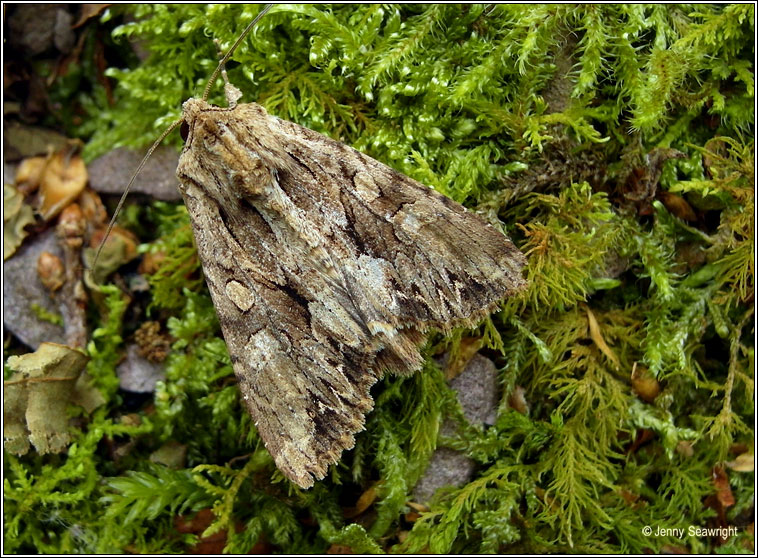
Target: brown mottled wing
(325, 267)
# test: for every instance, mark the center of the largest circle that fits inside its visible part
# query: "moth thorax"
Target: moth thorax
(252, 177)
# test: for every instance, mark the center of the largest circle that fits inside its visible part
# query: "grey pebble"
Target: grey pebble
(22, 288)
(138, 374)
(110, 173)
(477, 391)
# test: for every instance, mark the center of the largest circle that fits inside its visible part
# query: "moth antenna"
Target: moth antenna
(128, 186)
(226, 57)
(219, 68)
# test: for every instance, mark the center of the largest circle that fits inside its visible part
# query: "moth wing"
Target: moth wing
(325, 267)
(307, 394)
(411, 257)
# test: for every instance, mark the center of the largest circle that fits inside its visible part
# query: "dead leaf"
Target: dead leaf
(172, 454)
(29, 174)
(36, 396)
(151, 262)
(86, 395)
(644, 435)
(196, 523)
(120, 247)
(92, 208)
(677, 206)
(421, 508)
(50, 270)
(364, 502)
(629, 497)
(213, 544)
(88, 11)
(597, 337)
(517, 400)
(16, 216)
(458, 360)
(685, 449)
(738, 448)
(61, 183)
(744, 463)
(26, 141)
(412, 516)
(723, 490)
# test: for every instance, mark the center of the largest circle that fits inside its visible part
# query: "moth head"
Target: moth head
(191, 110)
(203, 124)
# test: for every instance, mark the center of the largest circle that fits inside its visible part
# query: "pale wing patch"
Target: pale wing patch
(240, 295)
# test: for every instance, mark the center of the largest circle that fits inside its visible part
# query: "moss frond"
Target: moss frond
(544, 119)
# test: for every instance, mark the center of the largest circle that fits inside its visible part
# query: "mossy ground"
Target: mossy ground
(615, 145)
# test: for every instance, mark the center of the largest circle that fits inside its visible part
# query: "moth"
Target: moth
(326, 268)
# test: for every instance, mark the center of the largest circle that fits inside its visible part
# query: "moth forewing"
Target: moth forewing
(325, 267)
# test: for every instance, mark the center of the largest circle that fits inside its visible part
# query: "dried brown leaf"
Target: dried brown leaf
(517, 400)
(16, 216)
(677, 205)
(88, 11)
(51, 271)
(685, 449)
(61, 183)
(723, 490)
(29, 173)
(172, 454)
(421, 508)
(86, 395)
(120, 247)
(364, 502)
(458, 360)
(153, 344)
(92, 208)
(151, 262)
(744, 463)
(597, 337)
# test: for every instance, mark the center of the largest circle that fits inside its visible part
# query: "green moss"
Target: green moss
(45, 314)
(546, 117)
